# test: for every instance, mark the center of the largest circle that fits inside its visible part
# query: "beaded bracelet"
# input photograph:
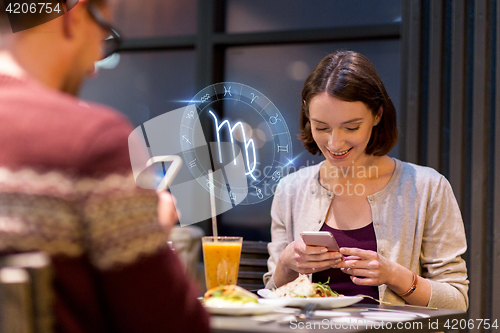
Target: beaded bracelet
(413, 286)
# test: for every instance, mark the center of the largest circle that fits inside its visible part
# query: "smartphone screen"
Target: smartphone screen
(320, 238)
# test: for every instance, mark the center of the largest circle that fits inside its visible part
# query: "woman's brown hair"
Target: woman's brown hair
(351, 77)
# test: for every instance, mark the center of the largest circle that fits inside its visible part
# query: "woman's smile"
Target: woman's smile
(339, 155)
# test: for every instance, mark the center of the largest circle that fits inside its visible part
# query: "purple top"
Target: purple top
(363, 238)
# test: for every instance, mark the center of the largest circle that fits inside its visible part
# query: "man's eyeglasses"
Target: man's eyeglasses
(113, 41)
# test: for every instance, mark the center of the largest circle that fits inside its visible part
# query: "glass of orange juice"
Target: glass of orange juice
(221, 257)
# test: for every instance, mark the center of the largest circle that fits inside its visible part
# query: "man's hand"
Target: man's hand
(168, 215)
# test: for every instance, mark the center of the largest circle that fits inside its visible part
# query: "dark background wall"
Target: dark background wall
(173, 51)
(451, 111)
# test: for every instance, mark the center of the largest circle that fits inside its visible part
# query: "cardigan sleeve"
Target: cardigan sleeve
(443, 245)
(279, 239)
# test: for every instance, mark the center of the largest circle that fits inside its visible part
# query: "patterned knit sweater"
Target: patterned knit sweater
(66, 188)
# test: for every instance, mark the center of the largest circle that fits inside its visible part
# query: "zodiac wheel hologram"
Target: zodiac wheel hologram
(236, 113)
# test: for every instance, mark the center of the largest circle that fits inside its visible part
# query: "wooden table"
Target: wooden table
(350, 319)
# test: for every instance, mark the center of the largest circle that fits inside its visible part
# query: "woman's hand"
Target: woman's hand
(306, 259)
(367, 268)
(299, 258)
(168, 215)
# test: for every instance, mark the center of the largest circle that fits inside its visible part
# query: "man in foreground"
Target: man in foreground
(66, 187)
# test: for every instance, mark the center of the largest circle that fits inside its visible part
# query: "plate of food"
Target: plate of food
(302, 291)
(236, 301)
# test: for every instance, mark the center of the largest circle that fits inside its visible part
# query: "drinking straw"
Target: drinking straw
(212, 204)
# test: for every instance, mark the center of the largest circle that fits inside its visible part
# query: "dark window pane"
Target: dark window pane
(279, 73)
(145, 85)
(265, 15)
(153, 18)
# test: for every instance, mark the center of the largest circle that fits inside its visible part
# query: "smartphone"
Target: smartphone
(320, 238)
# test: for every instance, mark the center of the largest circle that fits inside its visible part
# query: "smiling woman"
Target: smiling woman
(399, 228)
(350, 77)
(341, 130)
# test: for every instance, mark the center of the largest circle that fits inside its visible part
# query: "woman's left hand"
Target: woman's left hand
(367, 268)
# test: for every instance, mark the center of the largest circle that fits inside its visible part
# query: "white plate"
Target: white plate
(323, 302)
(249, 309)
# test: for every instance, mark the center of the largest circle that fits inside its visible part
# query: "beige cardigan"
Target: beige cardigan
(416, 219)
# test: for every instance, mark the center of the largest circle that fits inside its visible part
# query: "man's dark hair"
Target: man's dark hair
(351, 77)
(4, 21)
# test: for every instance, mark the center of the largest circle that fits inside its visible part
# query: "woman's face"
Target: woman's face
(341, 129)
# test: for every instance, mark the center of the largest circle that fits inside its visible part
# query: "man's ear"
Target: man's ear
(73, 18)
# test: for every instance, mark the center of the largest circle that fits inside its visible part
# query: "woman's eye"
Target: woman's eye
(321, 129)
(353, 129)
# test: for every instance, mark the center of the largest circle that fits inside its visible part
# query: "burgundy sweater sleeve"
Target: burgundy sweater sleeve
(144, 284)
